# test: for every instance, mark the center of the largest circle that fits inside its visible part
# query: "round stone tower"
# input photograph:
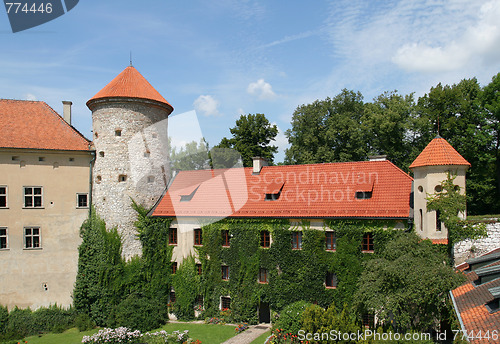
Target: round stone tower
(430, 168)
(129, 120)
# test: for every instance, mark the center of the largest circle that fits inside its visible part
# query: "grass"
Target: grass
(262, 338)
(484, 218)
(208, 334)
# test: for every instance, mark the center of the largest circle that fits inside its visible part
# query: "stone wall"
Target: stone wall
(473, 248)
(131, 143)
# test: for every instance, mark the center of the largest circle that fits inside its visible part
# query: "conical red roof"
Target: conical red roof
(439, 152)
(130, 84)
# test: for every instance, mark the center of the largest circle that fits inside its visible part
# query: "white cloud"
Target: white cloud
(480, 42)
(261, 89)
(281, 142)
(207, 105)
(30, 96)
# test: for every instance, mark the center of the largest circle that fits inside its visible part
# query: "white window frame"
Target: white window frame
(78, 201)
(32, 197)
(6, 196)
(6, 236)
(32, 235)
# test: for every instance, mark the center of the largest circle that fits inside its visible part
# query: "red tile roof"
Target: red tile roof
(34, 124)
(308, 191)
(440, 241)
(439, 152)
(130, 84)
(471, 303)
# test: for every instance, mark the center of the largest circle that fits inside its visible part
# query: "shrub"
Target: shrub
(290, 317)
(4, 320)
(53, 319)
(139, 313)
(83, 322)
(20, 323)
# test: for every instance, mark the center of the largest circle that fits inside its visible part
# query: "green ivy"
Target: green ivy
(293, 275)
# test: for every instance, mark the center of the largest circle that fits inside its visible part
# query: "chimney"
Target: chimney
(377, 157)
(258, 163)
(67, 111)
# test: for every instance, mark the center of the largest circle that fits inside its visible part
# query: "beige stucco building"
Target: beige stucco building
(44, 199)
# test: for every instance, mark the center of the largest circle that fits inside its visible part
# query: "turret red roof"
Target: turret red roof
(437, 153)
(299, 191)
(35, 125)
(130, 84)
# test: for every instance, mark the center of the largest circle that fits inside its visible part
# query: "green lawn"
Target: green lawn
(208, 334)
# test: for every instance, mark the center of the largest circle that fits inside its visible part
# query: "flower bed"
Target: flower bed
(278, 336)
(241, 327)
(123, 335)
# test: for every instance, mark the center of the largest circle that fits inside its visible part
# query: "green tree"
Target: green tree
(99, 267)
(490, 101)
(455, 112)
(192, 156)
(388, 121)
(252, 136)
(407, 284)
(328, 130)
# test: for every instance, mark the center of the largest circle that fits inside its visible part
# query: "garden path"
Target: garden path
(247, 336)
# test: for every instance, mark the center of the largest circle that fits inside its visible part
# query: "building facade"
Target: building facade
(44, 199)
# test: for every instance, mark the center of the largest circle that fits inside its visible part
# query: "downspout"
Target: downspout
(462, 326)
(91, 166)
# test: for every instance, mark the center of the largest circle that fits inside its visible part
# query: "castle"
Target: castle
(51, 175)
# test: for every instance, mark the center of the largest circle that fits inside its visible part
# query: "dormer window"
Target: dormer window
(188, 197)
(364, 191)
(363, 194)
(493, 306)
(273, 191)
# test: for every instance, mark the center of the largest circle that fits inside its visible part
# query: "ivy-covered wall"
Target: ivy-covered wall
(293, 274)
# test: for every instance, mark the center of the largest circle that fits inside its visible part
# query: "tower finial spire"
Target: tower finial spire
(130, 58)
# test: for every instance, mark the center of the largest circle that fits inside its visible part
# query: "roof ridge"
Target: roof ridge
(60, 118)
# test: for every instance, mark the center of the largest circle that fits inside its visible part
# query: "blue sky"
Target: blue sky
(225, 58)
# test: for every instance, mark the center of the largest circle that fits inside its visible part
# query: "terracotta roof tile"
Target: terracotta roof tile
(309, 191)
(439, 152)
(440, 241)
(471, 303)
(34, 124)
(129, 84)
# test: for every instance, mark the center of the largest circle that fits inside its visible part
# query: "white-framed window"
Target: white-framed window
(3, 196)
(32, 237)
(33, 197)
(4, 238)
(82, 200)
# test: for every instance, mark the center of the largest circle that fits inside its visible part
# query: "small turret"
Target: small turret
(430, 168)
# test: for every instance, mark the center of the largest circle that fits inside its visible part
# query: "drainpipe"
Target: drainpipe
(91, 166)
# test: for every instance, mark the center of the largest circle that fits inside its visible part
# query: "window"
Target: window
(174, 267)
(363, 194)
(225, 238)
(331, 280)
(122, 178)
(101, 154)
(118, 132)
(272, 196)
(421, 220)
(41, 158)
(263, 276)
(151, 179)
(225, 272)
(32, 237)
(172, 236)
(368, 320)
(225, 302)
(3, 238)
(3, 197)
(330, 241)
(367, 245)
(198, 238)
(198, 268)
(438, 221)
(172, 296)
(265, 239)
(82, 200)
(98, 179)
(32, 196)
(296, 240)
